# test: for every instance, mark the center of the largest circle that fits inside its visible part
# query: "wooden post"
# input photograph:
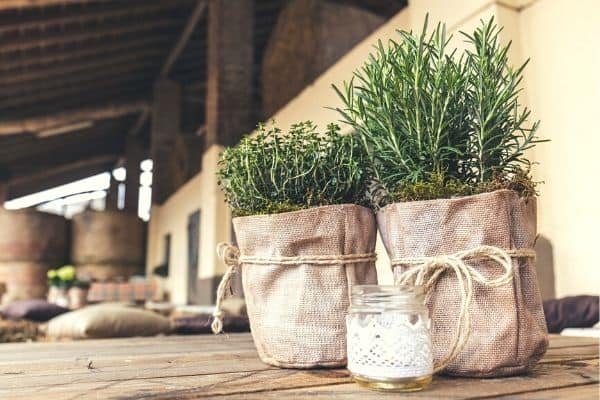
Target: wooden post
(112, 195)
(166, 123)
(230, 107)
(134, 155)
(3, 193)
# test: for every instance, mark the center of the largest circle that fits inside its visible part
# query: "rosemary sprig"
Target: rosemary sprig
(429, 117)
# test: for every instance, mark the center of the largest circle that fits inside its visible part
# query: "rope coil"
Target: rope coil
(427, 271)
(232, 258)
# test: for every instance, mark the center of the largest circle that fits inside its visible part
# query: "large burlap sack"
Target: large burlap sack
(296, 306)
(508, 332)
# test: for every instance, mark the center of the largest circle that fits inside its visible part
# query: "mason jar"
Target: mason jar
(389, 338)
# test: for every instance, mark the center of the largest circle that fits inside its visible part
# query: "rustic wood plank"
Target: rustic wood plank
(546, 377)
(585, 392)
(558, 341)
(11, 352)
(112, 31)
(44, 122)
(118, 12)
(24, 4)
(189, 367)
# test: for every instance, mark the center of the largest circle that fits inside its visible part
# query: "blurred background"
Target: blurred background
(113, 114)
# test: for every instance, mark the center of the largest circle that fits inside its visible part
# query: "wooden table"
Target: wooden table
(191, 367)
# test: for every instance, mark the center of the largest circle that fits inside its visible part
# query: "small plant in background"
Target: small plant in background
(273, 173)
(435, 124)
(63, 277)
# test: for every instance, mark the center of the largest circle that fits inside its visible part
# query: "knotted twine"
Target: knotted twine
(429, 269)
(231, 256)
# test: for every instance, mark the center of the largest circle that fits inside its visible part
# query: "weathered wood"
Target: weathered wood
(112, 195)
(183, 40)
(166, 125)
(135, 153)
(310, 35)
(175, 367)
(127, 10)
(136, 73)
(229, 100)
(184, 37)
(3, 193)
(584, 392)
(76, 54)
(109, 31)
(37, 124)
(93, 64)
(52, 177)
(24, 4)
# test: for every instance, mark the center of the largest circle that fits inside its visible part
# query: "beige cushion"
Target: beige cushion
(106, 321)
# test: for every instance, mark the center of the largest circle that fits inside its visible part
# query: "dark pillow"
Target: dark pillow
(201, 324)
(34, 310)
(571, 312)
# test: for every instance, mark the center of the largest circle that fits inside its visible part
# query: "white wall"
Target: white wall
(562, 38)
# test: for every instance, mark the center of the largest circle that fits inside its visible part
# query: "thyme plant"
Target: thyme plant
(271, 172)
(438, 124)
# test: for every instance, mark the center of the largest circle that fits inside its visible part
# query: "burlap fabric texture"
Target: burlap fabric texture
(297, 310)
(508, 333)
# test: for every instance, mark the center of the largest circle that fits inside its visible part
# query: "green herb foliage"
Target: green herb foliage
(438, 124)
(270, 172)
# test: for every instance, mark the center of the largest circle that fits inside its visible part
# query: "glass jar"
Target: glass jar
(389, 339)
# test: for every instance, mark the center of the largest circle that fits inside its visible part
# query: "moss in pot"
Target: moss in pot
(304, 239)
(446, 139)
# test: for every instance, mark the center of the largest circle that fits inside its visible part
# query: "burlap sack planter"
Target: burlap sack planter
(507, 332)
(298, 269)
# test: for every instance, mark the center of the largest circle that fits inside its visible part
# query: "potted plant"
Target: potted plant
(59, 282)
(445, 137)
(304, 239)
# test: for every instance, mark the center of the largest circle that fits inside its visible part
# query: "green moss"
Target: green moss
(438, 188)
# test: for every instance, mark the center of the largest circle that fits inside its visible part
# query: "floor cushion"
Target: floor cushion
(107, 321)
(571, 312)
(33, 310)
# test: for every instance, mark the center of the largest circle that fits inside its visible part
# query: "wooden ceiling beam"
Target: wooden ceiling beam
(87, 89)
(111, 32)
(149, 56)
(94, 15)
(183, 40)
(107, 70)
(60, 175)
(62, 55)
(25, 4)
(37, 124)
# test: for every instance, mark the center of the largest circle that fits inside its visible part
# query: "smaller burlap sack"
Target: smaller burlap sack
(298, 269)
(474, 256)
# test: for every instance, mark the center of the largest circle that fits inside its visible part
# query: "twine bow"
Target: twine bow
(429, 269)
(232, 258)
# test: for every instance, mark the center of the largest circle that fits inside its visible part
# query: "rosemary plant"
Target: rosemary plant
(438, 124)
(272, 173)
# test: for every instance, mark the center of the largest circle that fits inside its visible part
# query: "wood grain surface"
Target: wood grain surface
(227, 366)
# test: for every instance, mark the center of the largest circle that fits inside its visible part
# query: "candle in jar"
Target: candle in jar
(389, 338)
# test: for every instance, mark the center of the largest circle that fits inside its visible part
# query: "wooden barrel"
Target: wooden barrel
(31, 242)
(108, 245)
